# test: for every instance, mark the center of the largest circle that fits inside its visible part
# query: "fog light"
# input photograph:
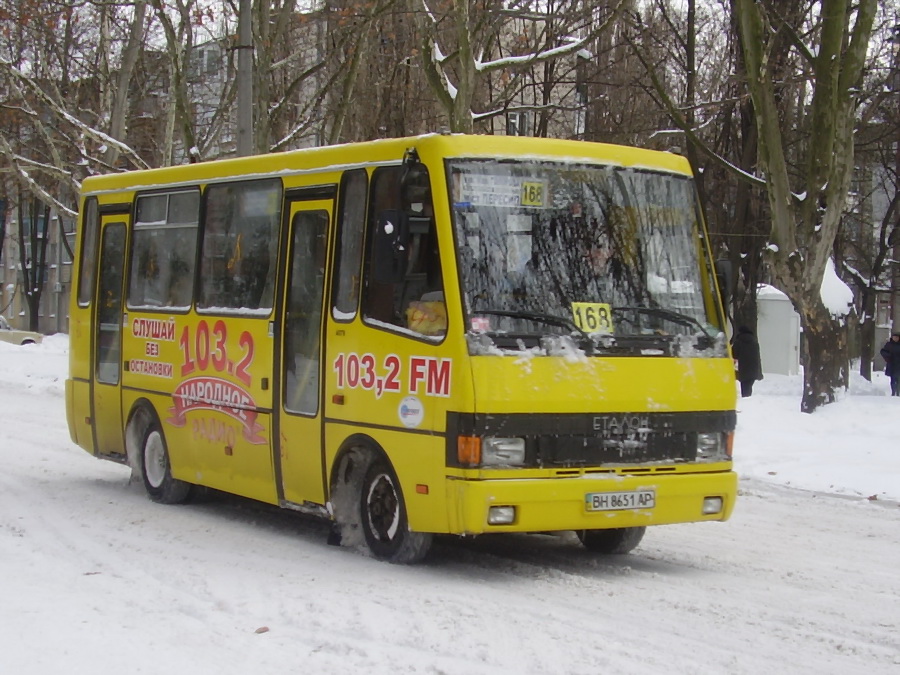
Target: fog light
(501, 515)
(712, 505)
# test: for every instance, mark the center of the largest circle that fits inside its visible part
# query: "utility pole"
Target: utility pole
(245, 81)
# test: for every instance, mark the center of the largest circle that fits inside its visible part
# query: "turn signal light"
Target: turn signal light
(468, 450)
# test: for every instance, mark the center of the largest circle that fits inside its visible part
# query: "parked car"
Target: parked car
(17, 337)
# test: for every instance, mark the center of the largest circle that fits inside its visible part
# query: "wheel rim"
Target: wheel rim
(383, 508)
(155, 459)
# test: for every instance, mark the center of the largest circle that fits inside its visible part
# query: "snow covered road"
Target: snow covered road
(95, 578)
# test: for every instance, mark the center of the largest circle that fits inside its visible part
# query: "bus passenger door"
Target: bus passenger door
(109, 435)
(299, 449)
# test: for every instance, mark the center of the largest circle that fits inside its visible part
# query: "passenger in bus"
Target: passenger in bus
(149, 276)
(181, 286)
(256, 272)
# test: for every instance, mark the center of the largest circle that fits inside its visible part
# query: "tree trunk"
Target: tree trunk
(825, 355)
(179, 44)
(33, 300)
(805, 220)
(130, 55)
(348, 86)
(33, 266)
(867, 334)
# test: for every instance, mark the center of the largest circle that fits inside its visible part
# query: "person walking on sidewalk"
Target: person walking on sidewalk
(891, 355)
(745, 349)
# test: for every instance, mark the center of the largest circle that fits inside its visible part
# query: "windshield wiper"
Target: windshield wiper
(537, 317)
(670, 314)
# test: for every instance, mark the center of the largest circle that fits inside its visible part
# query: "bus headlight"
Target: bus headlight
(502, 451)
(713, 447)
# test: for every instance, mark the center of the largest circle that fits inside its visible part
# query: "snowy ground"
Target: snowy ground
(805, 578)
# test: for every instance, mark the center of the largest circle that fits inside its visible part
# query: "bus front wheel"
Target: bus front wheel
(383, 517)
(156, 471)
(620, 540)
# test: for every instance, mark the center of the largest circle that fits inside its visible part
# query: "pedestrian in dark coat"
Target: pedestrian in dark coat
(891, 355)
(745, 349)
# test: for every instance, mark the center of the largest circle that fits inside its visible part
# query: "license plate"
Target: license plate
(620, 501)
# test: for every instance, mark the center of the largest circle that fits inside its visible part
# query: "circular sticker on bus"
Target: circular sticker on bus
(411, 412)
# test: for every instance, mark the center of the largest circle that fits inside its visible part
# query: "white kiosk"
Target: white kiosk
(778, 332)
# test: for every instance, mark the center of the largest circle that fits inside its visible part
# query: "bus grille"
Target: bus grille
(556, 440)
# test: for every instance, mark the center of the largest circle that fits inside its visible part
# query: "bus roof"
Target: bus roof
(389, 151)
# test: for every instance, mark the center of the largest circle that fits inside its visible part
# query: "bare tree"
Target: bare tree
(459, 36)
(802, 64)
(693, 57)
(176, 21)
(353, 25)
(34, 223)
(868, 237)
(132, 50)
(398, 99)
(807, 198)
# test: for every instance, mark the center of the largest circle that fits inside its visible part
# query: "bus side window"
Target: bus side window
(240, 236)
(412, 296)
(303, 312)
(351, 219)
(163, 250)
(87, 269)
(109, 304)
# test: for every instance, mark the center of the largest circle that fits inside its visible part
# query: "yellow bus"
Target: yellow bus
(444, 334)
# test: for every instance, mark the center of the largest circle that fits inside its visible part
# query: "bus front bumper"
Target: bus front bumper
(588, 502)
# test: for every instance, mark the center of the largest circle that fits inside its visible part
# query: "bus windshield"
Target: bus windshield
(560, 249)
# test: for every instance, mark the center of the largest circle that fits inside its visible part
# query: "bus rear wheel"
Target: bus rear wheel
(615, 541)
(383, 517)
(156, 471)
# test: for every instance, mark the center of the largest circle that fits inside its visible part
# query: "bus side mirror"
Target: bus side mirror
(390, 248)
(415, 186)
(724, 279)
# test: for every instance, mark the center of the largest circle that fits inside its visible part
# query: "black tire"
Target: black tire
(617, 541)
(383, 517)
(156, 472)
